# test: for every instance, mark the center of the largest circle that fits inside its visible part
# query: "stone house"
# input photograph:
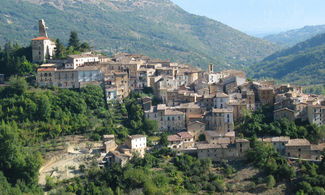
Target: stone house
(298, 148)
(284, 113)
(181, 140)
(221, 120)
(169, 119)
(266, 95)
(109, 143)
(316, 114)
(137, 144)
(218, 152)
(196, 129)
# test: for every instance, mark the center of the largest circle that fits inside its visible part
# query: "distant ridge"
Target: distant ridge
(292, 37)
(302, 64)
(157, 28)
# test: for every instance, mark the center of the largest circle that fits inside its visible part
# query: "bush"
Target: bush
(270, 181)
(50, 184)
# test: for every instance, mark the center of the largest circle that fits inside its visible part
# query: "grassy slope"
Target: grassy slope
(302, 64)
(160, 29)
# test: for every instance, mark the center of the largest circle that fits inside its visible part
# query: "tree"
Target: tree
(163, 140)
(84, 47)
(59, 50)
(17, 85)
(74, 40)
(150, 126)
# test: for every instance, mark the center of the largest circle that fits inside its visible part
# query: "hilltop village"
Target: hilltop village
(192, 103)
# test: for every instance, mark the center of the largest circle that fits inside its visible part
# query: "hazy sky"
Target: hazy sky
(259, 16)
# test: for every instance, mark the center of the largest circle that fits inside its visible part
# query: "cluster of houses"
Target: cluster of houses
(193, 103)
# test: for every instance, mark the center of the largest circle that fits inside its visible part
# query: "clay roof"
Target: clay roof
(84, 55)
(319, 147)
(221, 95)
(213, 134)
(225, 140)
(298, 142)
(173, 112)
(45, 69)
(40, 39)
(209, 146)
(241, 140)
(222, 110)
(281, 109)
(136, 136)
(230, 134)
(161, 106)
(281, 139)
(172, 138)
(185, 135)
(197, 116)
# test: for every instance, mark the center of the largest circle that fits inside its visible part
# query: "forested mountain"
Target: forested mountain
(292, 37)
(157, 28)
(303, 64)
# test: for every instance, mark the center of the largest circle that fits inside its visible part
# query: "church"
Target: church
(43, 48)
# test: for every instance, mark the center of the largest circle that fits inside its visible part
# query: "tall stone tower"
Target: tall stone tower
(42, 47)
(211, 68)
(42, 28)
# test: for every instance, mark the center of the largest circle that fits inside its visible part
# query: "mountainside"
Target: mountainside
(303, 64)
(292, 37)
(157, 28)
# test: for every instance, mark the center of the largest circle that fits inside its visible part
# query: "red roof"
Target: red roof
(185, 135)
(45, 69)
(40, 38)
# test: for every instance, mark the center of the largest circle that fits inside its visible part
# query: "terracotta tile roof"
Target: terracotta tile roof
(209, 146)
(45, 69)
(172, 138)
(185, 135)
(241, 140)
(298, 142)
(40, 38)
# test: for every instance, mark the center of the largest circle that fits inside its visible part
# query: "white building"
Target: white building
(79, 60)
(43, 49)
(137, 144)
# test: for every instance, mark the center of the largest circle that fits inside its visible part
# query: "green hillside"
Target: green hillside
(157, 28)
(292, 37)
(303, 64)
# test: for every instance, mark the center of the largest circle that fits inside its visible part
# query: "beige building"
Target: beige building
(284, 113)
(266, 95)
(196, 129)
(109, 143)
(168, 118)
(221, 120)
(218, 152)
(316, 114)
(54, 75)
(181, 140)
(299, 148)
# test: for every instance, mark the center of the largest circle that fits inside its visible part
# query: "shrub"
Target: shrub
(270, 181)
